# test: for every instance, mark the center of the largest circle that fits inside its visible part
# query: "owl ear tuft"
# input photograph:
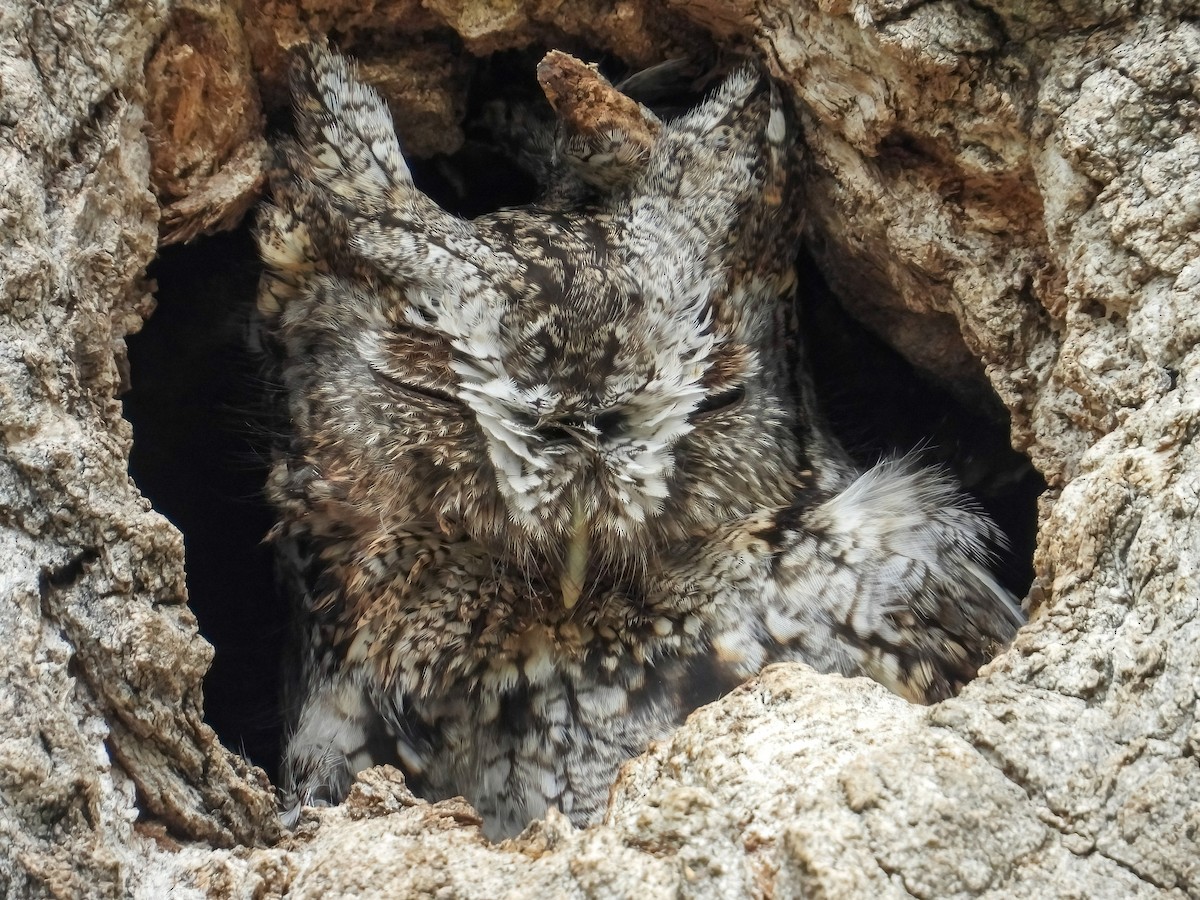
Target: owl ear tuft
(605, 136)
(345, 136)
(347, 154)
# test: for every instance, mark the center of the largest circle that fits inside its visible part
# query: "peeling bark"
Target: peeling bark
(1008, 192)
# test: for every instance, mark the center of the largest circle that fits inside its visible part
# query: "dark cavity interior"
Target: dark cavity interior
(204, 423)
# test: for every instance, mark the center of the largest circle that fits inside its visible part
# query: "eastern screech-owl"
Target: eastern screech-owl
(553, 480)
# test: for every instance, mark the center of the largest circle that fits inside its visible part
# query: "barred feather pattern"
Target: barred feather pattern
(552, 482)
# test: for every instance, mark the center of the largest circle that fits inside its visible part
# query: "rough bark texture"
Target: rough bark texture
(1008, 191)
(100, 712)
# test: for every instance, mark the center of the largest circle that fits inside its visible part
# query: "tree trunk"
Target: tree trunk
(1007, 192)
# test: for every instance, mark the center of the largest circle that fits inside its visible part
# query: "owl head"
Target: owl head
(579, 384)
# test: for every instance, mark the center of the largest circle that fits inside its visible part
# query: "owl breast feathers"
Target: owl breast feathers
(553, 480)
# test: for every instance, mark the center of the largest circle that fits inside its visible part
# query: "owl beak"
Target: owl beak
(575, 560)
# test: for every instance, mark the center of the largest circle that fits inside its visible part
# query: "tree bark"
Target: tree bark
(1008, 192)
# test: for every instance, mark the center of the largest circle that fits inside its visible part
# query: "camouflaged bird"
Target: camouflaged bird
(553, 480)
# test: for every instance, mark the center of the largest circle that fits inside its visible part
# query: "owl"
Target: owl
(553, 478)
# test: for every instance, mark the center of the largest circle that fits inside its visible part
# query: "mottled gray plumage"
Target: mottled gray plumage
(552, 482)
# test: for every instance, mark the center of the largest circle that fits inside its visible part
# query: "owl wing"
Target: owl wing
(887, 578)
